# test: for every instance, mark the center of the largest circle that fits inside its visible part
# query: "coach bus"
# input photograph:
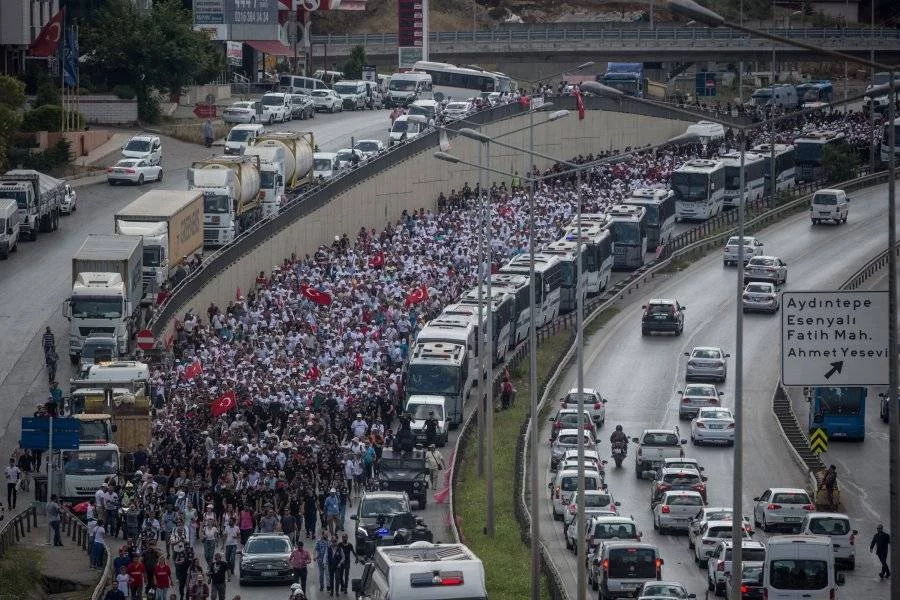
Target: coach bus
(461, 83)
(785, 171)
(548, 273)
(629, 234)
(699, 187)
(809, 151)
(597, 248)
(660, 206)
(754, 177)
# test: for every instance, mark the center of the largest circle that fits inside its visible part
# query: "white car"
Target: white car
(760, 296)
(241, 112)
(710, 534)
(591, 459)
(713, 513)
(325, 165)
(766, 268)
(675, 510)
(405, 129)
(370, 148)
(593, 403)
(132, 170)
(713, 425)
(685, 464)
(663, 590)
(457, 110)
(837, 527)
(706, 362)
(327, 100)
(567, 439)
(148, 147)
(696, 396)
(345, 158)
(718, 566)
(752, 247)
(597, 503)
(69, 202)
(784, 507)
(565, 484)
(275, 107)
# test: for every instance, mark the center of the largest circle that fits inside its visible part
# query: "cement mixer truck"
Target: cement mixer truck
(299, 148)
(232, 200)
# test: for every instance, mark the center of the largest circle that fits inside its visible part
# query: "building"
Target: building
(20, 23)
(842, 10)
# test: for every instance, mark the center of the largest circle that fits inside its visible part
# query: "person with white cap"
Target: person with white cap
(359, 426)
(332, 511)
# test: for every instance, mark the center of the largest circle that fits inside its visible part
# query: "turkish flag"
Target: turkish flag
(358, 361)
(420, 294)
(192, 370)
(579, 102)
(319, 297)
(312, 373)
(377, 261)
(223, 404)
(47, 41)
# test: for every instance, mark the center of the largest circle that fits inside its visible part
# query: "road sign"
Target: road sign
(146, 340)
(205, 111)
(834, 338)
(818, 440)
(36, 433)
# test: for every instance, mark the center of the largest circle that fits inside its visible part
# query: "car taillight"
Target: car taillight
(745, 589)
(773, 507)
(700, 425)
(606, 564)
(809, 507)
(639, 452)
(557, 491)
(661, 487)
(730, 426)
(709, 542)
(852, 539)
(713, 400)
(572, 509)
(746, 296)
(597, 406)
(666, 510)
(720, 566)
(109, 169)
(699, 487)
(685, 400)
(557, 425)
(832, 594)
(129, 171)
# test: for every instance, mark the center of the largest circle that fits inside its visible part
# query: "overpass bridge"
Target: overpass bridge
(579, 43)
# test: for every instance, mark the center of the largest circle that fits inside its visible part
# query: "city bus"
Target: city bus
(597, 248)
(754, 177)
(886, 142)
(629, 235)
(785, 172)
(440, 369)
(462, 83)
(809, 150)
(502, 307)
(815, 93)
(517, 287)
(699, 187)
(660, 206)
(453, 329)
(547, 281)
(840, 411)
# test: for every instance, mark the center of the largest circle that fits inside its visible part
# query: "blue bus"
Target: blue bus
(815, 93)
(840, 411)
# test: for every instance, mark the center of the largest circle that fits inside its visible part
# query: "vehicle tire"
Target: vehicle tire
(15, 247)
(423, 502)
(140, 180)
(765, 525)
(851, 564)
(74, 207)
(756, 524)
(271, 120)
(703, 564)
(644, 332)
(680, 330)
(730, 443)
(656, 525)
(159, 177)
(73, 359)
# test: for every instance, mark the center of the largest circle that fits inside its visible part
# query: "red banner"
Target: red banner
(192, 370)
(579, 102)
(377, 261)
(47, 41)
(317, 296)
(223, 404)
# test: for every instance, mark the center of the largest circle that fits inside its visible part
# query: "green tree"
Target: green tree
(839, 163)
(354, 65)
(12, 92)
(12, 97)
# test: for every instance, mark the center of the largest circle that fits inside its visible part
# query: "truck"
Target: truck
(39, 197)
(232, 200)
(625, 77)
(170, 222)
(653, 447)
(272, 165)
(879, 101)
(299, 147)
(107, 287)
(78, 474)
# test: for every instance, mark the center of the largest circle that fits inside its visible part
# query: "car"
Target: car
(682, 463)
(404, 129)
(600, 530)
(713, 513)
(346, 160)
(596, 503)
(275, 106)
(567, 439)
(837, 527)
(373, 508)
(302, 107)
(781, 507)
(697, 396)
(706, 362)
(594, 404)
(662, 315)
(591, 459)
(654, 446)
(325, 165)
(69, 202)
(565, 485)
(676, 479)
(327, 100)
(713, 425)
(660, 590)
(457, 110)
(396, 529)
(710, 533)
(766, 268)
(752, 247)
(675, 510)
(148, 147)
(751, 583)
(243, 111)
(265, 559)
(133, 170)
(369, 148)
(406, 474)
(760, 296)
(567, 418)
(625, 566)
(719, 564)
(589, 467)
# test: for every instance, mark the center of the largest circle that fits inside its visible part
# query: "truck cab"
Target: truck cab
(84, 470)
(97, 348)
(97, 304)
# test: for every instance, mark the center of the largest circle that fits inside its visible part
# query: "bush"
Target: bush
(46, 118)
(148, 109)
(839, 163)
(497, 12)
(47, 93)
(49, 159)
(124, 92)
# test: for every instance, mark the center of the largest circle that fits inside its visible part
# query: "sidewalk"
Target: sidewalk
(112, 145)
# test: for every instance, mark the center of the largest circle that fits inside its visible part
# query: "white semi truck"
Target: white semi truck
(232, 200)
(272, 164)
(171, 225)
(107, 287)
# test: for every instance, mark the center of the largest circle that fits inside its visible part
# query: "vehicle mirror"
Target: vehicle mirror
(692, 595)
(704, 478)
(721, 393)
(635, 440)
(551, 419)
(680, 392)
(354, 518)
(618, 504)
(644, 306)
(727, 355)
(687, 353)
(683, 441)
(756, 499)
(855, 532)
(839, 579)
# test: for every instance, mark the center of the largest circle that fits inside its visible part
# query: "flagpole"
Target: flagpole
(60, 56)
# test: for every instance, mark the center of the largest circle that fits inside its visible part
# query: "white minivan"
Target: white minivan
(9, 227)
(404, 130)
(829, 205)
(325, 165)
(242, 136)
(837, 527)
(800, 567)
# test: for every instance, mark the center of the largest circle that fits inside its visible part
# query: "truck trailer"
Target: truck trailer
(39, 197)
(232, 201)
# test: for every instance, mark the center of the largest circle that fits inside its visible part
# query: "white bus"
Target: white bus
(462, 83)
(754, 177)
(785, 172)
(629, 235)
(502, 307)
(660, 206)
(547, 280)
(517, 287)
(886, 142)
(440, 369)
(455, 330)
(597, 246)
(699, 187)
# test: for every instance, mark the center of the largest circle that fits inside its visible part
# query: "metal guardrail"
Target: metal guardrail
(76, 530)
(17, 528)
(869, 269)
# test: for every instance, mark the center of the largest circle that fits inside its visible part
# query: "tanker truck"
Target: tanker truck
(171, 223)
(299, 147)
(272, 164)
(232, 200)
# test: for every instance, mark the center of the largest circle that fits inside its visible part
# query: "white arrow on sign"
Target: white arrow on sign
(834, 338)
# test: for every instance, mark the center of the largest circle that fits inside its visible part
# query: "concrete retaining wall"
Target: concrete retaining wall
(107, 109)
(417, 181)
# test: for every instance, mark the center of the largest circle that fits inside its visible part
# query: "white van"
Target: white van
(404, 130)
(325, 165)
(421, 407)
(9, 227)
(706, 131)
(837, 527)
(275, 106)
(293, 84)
(422, 571)
(800, 567)
(405, 88)
(242, 136)
(625, 565)
(829, 205)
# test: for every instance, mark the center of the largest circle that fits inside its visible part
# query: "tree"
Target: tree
(12, 92)
(12, 97)
(354, 65)
(839, 163)
(158, 50)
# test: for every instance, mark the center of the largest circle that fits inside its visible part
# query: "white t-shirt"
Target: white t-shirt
(12, 474)
(122, 583)
(99, 534)
(232, 534)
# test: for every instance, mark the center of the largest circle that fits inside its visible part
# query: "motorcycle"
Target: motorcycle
(619, 451)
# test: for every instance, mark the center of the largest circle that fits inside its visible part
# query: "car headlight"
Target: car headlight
(415, 484)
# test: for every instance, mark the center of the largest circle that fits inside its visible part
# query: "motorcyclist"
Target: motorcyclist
(618, 436)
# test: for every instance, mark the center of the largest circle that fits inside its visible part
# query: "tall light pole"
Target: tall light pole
(581, 539)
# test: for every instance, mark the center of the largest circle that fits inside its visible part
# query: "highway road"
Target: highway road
(818, 258)
(37, 279)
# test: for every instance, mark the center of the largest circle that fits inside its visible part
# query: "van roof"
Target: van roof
(424, 552)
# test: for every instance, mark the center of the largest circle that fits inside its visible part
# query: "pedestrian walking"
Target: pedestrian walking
(208, 133)
(321, 558)
(218, 573)
(344, 573)
(434, 462)
(881, 542)
(99, 546)
(162, 576)
(335, 558)
(53, 519)
(232, 536)
(13, 474)
(299, 561)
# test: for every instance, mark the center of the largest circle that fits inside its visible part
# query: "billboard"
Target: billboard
(409, 23)
(234, 52)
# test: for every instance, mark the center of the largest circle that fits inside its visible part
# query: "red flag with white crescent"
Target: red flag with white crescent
(420, 294)
(377, 261)
(47, 41)
(192, 370)
(319, 297)
(358, 361)
(223, 404)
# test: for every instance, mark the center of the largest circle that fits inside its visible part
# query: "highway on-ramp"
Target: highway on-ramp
(641, 375)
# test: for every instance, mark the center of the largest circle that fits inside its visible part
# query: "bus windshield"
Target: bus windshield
(652, 214)
(690, 187)
(809, 151)
(627, 233)
(433, 379)
(839, 401)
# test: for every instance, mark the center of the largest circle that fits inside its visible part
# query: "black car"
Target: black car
(302, 107)
(751, 583)
(384, 519)
(405, 474)
(663, 315)
(885, 407)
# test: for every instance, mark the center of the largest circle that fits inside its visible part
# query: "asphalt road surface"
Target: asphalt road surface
(818, 258)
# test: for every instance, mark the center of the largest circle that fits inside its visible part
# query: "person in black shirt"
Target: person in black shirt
(344, 572)
(431, 425)
(881, 542)
(335, 558)
(218, 571)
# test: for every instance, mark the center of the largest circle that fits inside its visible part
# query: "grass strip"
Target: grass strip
(20, 572)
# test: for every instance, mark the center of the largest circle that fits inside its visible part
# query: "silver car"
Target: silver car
(706, 362)
(766, 268)
(760, 296)
(697, 396)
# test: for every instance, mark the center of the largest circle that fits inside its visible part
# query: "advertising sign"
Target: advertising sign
(209, 12)
(251, 12)
(409, 23)
(234, 51)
